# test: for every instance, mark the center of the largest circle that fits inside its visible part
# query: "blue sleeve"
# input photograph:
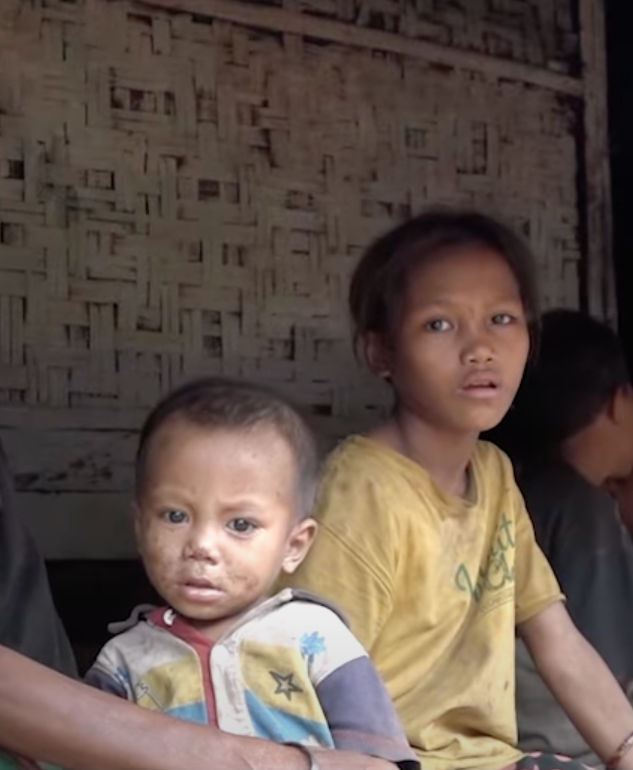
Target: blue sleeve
(361, 716)
(102, 680)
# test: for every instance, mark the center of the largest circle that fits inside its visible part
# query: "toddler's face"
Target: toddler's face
(216, 520)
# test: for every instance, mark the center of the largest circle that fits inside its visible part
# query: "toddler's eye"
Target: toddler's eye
(438, 325)
(242, 526)
(175, 517)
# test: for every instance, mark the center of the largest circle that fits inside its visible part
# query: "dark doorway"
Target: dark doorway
(620, 78)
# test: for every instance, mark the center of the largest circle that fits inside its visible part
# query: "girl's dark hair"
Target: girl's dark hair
(378, 283)
(215, 402)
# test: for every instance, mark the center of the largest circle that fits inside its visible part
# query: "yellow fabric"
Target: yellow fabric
(433, 586)
(157, 691)
(260, 663)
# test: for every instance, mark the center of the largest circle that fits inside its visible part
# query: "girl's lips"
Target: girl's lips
(480, 391)
(481, 385)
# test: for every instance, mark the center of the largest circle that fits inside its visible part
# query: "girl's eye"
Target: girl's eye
(438, 325)
(502, 319)
(175, 517)
(242, 526)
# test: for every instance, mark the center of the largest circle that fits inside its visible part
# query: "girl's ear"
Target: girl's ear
(378, 354)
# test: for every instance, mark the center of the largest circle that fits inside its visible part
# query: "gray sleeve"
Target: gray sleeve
(592, 557)
(361, 716)
(593, 561)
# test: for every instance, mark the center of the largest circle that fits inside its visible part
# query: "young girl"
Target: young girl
(424, 540)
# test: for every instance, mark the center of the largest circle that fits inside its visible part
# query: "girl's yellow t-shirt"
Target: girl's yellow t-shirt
(433, 587)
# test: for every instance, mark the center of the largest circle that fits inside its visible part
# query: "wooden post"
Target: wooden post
(600, 277)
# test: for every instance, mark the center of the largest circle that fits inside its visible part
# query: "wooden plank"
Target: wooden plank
(289, 22)
(600, 279)
(81, 525)
(71, 418)
(60, 461)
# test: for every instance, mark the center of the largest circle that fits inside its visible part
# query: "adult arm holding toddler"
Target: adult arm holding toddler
(47, 715)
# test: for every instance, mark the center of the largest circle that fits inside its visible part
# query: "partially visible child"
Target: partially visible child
(424, 538)
(226, 475)
(570, 433)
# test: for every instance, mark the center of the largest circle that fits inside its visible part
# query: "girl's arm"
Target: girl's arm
(580, 681)
(47, 716)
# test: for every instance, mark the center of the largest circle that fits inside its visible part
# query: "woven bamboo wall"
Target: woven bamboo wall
(188, 192)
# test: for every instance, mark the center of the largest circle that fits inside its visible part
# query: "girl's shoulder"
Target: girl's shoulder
(363, 461)
(492, 460)
(355, 450)
(495, 478)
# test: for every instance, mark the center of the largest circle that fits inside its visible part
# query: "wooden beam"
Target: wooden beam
(600, 277)
(69, 418)
(290, 22)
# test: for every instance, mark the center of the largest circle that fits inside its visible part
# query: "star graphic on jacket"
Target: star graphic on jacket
(285, 685)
